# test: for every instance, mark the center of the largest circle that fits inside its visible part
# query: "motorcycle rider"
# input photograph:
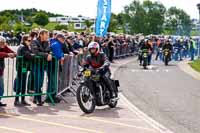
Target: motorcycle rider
(168, 46)
(99, 61)
(148, 47)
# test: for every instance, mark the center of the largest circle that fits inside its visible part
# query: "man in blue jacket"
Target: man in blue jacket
(58, 48)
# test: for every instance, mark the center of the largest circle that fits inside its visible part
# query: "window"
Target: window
(77, 25)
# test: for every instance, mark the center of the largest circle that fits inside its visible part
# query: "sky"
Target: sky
(88, 7)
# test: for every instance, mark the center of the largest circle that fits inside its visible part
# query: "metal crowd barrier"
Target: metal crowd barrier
(123, 50)
(35, 77)
(68, 76)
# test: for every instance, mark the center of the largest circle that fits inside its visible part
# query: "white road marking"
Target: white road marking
(150, 71)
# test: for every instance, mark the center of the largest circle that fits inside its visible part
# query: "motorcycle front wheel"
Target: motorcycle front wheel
(145, 63)
(86, 99)
(166, 61)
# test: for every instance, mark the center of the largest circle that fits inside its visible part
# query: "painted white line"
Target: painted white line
(14, 129)
(150, 70)
(167, 70)
(160, 128)
(133, 70)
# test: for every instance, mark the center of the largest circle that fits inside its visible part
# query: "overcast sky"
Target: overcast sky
(88, 7)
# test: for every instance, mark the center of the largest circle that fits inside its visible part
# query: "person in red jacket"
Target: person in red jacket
(5, 52)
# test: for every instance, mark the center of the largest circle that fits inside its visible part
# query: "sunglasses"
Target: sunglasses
(29, 40)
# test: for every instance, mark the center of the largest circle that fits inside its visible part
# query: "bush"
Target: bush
(41, 19)
(51, 26)
(34, 25)
(61, 27)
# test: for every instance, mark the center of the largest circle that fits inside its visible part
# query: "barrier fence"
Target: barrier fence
(27, 78)
(124, 50)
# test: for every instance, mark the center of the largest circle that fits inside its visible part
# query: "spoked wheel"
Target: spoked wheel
(86, 99)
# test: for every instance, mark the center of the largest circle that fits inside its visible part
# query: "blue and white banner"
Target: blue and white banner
(103, 17)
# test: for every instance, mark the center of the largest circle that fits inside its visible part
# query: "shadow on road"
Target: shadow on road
(105, 113)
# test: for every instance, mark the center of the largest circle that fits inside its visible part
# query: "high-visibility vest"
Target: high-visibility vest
(193, 45)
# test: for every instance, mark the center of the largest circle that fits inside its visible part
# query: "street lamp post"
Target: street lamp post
(198, 6)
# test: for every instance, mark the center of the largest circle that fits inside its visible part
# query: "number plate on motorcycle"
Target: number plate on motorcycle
(87, 73)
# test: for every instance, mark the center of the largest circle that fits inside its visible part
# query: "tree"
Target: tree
(34, 25)
(18, 27)
(147, 17)
(155, 16)
(136, 17)
(3, 19)
(5, 27)
(41, 19)
(113, 23)
(29, 19)
(178, 22)
(120, 18)
(88, 23)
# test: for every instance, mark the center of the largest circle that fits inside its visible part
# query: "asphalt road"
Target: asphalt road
(166, 94)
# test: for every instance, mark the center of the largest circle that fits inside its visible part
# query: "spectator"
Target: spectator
(111, 45)
(23, 63)
(19, 37)
(33, 35)
(5, 52)
(192, 48)
(105, 49)
(59, 47)
(41, 48)
(52, 37)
